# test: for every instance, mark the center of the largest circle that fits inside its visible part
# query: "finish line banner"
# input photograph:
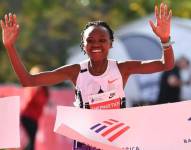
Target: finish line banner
(157, 127)
(9, 122)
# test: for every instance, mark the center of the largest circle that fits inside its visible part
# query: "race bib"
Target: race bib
(107, 100)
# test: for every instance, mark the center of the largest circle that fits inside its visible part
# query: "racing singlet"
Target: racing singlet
(100, 92)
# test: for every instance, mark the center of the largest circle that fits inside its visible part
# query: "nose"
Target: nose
(96, 43)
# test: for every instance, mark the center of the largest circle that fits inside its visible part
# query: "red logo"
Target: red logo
(108, 127)
(111, 81)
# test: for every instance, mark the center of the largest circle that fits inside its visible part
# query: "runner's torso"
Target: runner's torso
(106, 88)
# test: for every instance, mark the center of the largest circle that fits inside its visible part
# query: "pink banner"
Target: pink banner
(158, 127)
(9, 122)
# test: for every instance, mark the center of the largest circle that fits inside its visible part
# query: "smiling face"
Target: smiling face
(96, 42)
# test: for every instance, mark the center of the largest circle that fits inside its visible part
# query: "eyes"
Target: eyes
(92, 41)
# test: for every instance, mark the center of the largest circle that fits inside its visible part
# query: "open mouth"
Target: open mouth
(96, 50)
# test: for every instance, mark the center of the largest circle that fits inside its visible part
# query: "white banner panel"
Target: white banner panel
(157, 127)
(9, 122)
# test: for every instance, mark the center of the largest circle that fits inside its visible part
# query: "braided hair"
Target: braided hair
(96, 23)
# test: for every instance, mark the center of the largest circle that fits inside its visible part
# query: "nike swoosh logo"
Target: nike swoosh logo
(111, 81)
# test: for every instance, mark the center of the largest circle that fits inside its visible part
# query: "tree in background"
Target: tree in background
(49, 28)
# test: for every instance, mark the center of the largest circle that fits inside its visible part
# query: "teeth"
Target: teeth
(96, 50)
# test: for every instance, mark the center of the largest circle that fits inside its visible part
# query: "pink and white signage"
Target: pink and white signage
(157, 127)
(9, 122)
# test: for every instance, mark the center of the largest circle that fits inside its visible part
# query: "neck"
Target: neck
(97, 67)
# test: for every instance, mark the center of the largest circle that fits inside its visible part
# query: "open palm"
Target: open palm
(10, 30)
(163, 19)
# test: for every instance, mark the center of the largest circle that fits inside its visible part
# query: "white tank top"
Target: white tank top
(87, 84)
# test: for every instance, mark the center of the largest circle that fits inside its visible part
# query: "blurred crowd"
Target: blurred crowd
(166, 87)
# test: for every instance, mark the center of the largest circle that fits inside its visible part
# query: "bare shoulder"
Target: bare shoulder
(124, 71)
(75, 68)
(71, 70)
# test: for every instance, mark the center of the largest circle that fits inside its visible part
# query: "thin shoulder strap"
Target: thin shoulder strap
(84, 66)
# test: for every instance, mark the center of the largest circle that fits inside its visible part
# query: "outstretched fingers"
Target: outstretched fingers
(152, 25)
(10, 20)
(10, 29)
(6, 20)
(2, 24)
(14, 20)
(165, 14)
(157, 15)
(156, 12)
(169, 15)
(162, 10)
(166, 10)
(163, 17)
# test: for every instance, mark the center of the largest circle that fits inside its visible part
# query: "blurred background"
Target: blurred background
(50, 28)
(50, 36)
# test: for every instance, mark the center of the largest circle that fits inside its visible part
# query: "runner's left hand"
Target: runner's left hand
(163, 19)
